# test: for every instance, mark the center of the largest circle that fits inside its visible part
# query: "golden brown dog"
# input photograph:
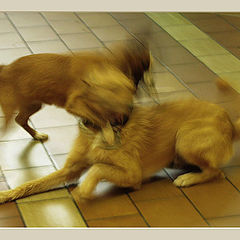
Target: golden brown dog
(199, 132)
(97, 86)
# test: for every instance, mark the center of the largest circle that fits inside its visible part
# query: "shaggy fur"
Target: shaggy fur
(199, 132)
(82, 83)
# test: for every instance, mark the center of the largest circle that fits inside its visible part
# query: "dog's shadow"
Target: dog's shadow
(25, 158)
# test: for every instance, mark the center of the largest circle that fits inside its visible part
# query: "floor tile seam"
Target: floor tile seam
(69, 197)
(27, 168)
(9, 48)
(236, 29)
(164, 65)
(217, 43)
(10, 217)
(112, 217)
(18, 209)
(19, 34)
(138, 209)
(59, 37)
(76, 205)
(208, 37)
(45, 199)
(90, 29)
(168, 67)
(225, 216)
(189, 200)
(29, 26)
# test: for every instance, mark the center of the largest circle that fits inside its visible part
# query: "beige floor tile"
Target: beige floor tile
(194, 72)
(231, 221)
(20, 176)
(3, 184)
(97, 19)
(174, 212)
(233, 174)
(6, 26)
(221, 63)
(8, 210)
(107, 206)
(166, 82)
(81, 40)
(10, 40)
(112, 33)
(158, 189)
(185, 32)
(60, 138)
(55, 46)
(26, 19)
(59, 159)
(2, 15)
(122, 221)
(51, 116)
(232, 79)
(68, 27)
(9, 55)
(127, 15)
(209, 91)
(11, 222)
(157, 66)
(22, 154)
(54, 194)
(175, 96)
(14, 131)
(60, 212)
(64, 16)
(204, 47)
(167, 19)
(217, 198)
(39, 33)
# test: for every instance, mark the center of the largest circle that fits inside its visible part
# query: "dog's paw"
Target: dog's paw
(186, 180)
(80, 196)
(40, 136)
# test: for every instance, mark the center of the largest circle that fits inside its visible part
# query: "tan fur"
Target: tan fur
(97, 86)
(200, 132)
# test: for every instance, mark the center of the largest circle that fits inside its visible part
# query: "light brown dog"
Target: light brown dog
(97, 86)
(199, 132)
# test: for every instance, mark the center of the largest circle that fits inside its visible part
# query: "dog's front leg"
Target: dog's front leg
(129, 176)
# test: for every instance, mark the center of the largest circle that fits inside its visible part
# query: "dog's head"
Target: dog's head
(134, 59)
(107, 95)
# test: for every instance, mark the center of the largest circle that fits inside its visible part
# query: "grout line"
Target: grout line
(190, 201)
(78, 208)
(90, 29)
(112, 217)
(19, 34)
(138, 210)
(40, 13)
(25, 168)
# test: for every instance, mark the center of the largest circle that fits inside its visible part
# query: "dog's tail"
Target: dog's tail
(225, 87)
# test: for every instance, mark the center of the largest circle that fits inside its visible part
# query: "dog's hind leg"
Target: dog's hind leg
(204, 146)
(22, 119)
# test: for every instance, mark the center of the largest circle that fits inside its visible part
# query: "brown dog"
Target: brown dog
(200, 132)
(97, 86)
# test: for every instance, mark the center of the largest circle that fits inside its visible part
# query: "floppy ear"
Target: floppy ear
(149, 82)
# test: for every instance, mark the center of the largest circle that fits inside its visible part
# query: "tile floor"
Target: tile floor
(190, 50)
